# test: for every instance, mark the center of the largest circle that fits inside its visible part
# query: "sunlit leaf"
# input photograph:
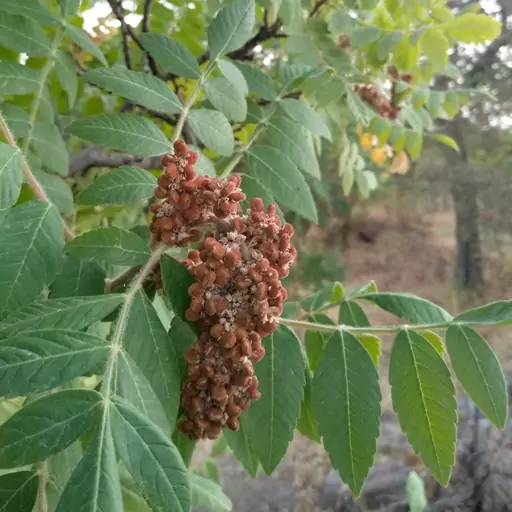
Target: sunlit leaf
(420, 382)
(272, 419)
(147, 90)
(125, 132)
(171, 55)
(231, 28)
(479, 371)
(346, 397)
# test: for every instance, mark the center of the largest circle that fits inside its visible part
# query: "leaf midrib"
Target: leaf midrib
(416, 374)
(348, 410)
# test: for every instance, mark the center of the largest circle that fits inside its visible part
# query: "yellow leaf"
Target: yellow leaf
(366, 141)
(379, 156)
(360, 130)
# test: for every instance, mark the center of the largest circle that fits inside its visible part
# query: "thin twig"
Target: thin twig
(317, 7)
(29, 177)
(124, 278)
(117, 8)
(145, 27)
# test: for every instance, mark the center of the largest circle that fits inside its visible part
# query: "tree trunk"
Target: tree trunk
(469, 270)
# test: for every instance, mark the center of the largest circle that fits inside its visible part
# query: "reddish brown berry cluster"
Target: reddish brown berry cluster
(237, 298)
(370, 94)
(189, 201)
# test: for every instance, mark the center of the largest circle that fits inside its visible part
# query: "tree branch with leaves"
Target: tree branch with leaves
(125, 378)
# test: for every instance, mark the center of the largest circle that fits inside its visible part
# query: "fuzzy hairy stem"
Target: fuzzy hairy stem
(42, 500)
(188, 105)
(29, 177)
(386, 329)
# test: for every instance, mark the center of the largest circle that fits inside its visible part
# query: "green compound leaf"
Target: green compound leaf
(113, 245)
(145, 89)
(234, 75)
(351, 313)
(499, 312)
(47, 426)
(125, 132)
(16, 118)
(11, 176)
(155, 356)
(135, 388)
(308, 424)
(56, 189)
(272, 419)
(82, 39)
(182, 338)
(303, 114)
(424, 400)
(50, 147)
(18, 79)
(415, 309)
(23, 35)
(31, 9)
(32, 242)
(243, 446)
(125, 185)
(208, 494)
(151, 458)
(291, 140)
(177, 280)
(259, 82)
(67, 313)
(346, 397)
(78, 278)
(316, 341)
(18, 491)
(226, 97)
(231, 28)
(213, 129)
(275, 171)
(171, 55)
(479, 371)
(39, 360)
(95, 484)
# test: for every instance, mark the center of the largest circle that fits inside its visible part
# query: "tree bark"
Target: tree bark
(469, 267)
(469, 272)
